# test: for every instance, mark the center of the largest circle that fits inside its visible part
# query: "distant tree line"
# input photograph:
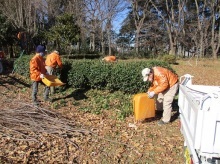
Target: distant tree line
(70, 26)
(176, 27)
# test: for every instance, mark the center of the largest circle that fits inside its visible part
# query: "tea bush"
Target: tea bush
(122, 76)
(171, 59)
(21, 65)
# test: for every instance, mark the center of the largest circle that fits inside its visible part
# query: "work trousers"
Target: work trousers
(50, 71)
(1, 67)
(164, 102)
(35, 85)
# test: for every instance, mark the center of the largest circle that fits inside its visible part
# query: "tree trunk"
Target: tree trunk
(172, 44)
(109, 42)
(92, 42)
(215, 40)
(137, 40)
(102, 44)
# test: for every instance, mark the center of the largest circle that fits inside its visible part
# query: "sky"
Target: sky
(117, 22)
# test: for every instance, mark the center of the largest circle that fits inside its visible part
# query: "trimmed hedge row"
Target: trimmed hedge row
(122, 76)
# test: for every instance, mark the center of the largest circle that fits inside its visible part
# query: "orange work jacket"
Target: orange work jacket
(53, 60)
(109, 58)
(163, 79)
(37, 67)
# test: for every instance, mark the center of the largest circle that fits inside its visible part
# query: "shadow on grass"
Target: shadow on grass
(175, 110)
(12, 80)
(158, 115)
(78, 94)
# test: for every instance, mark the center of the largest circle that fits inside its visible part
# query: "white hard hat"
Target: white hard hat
(57, 52)
(145, 73)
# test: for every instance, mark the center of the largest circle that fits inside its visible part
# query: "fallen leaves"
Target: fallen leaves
(71, 136)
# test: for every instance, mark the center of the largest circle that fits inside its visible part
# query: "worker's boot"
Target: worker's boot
(48, 99)
(35, 102)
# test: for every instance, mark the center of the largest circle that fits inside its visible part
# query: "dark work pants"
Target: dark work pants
(35, 85)
(50, 71)
(1, 66)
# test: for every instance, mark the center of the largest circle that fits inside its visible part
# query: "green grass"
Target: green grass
(118, 102)
(97, 101)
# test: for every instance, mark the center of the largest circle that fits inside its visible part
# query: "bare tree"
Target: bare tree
(171, 14)
(203, 25)
(77, 8)
(100, 14)
(215, 30)
(112, 8)
(21, 14)
(94, 17)
(139, 10)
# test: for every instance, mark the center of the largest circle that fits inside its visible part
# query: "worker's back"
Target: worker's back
(110, 58)
(53, 60)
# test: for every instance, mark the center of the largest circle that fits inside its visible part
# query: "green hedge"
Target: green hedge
(171, 59)
(122, 76)
(21, 66)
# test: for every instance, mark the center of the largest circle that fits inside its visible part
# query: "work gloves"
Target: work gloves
(150, 94)
(41, 76)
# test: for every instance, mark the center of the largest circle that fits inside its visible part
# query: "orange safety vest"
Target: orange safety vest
(162, 80)
(37, 67)
(110, 58)
(53, 60)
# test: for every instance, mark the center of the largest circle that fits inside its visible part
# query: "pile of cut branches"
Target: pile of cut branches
(37, 128)
(33, 134)
(27, 122)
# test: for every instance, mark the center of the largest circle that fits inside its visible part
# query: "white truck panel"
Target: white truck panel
(217, 138)
(199, 108)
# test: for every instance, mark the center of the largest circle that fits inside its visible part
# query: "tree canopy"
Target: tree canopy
(178, 27)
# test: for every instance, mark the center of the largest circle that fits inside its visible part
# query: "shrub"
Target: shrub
(122, 76)
(21, 65)
(171, 59)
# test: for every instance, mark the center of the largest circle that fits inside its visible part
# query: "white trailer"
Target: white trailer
(199, 108)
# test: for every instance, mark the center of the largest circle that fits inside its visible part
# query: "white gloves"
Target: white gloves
(151, 94)
(41, 76)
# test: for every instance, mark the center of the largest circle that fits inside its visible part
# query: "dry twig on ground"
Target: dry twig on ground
(27, 122)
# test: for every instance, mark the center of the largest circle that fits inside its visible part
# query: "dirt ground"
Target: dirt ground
(68, 135)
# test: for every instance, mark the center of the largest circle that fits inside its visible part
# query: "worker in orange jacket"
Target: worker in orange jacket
(110, 58)
(2, 55)
(164, 86)
(37, 73)
(52, 61)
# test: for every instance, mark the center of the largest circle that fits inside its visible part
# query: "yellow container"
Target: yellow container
(143, 106)
(51, 80)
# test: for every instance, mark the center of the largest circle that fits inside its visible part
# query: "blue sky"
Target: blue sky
(117, 22)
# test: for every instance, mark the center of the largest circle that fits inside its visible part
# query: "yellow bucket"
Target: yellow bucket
(51, 80)
(143, 106)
